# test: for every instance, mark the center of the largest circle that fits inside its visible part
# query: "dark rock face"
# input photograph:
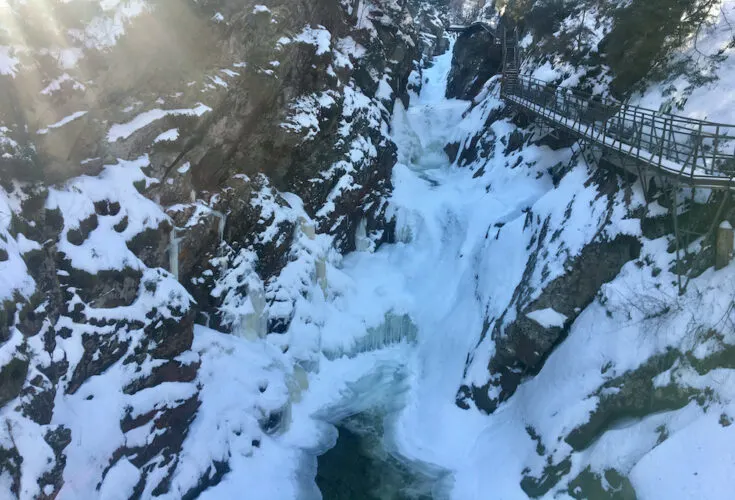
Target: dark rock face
(476, 58)
(12, 377)
(637, 396)
(51, 482)
(523, 345)
(172, 424)
(608, 485)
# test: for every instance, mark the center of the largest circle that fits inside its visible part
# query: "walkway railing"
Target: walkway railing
(697, 151)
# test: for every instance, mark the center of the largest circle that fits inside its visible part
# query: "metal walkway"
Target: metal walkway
(479, 25)
(695, 152)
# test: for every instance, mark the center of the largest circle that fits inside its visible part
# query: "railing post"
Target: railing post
(714, 149)
(663, 143)
(696, 149)
(621, 127)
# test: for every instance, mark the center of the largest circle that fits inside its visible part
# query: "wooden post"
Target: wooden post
(724, 245)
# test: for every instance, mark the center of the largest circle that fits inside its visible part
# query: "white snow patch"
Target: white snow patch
(319, 37)
(62, 122)
(125, 130)
(8, 63)
(548, 318)
(169, 135)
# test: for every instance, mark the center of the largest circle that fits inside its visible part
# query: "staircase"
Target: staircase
(511, 60)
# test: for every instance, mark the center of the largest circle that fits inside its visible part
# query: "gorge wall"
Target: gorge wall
(165, 164)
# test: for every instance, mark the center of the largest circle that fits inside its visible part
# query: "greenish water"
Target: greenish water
(359, 468)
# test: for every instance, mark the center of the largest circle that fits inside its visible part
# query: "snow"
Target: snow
(218, 81)
(103, 31)
(384, 92)
(105, 248)
(548, 318)
(711, 57)
(694, 463)
(62, 122)
(125, 130)
(14, 275)
(305, 113)
(120, 481)
(227, 426)
(319, 37)
(56, 83)
(8, 63)
(545, 73)
(345, 50)
(168, 136)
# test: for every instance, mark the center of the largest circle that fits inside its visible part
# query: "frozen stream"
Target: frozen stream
(430, 277)
(440, 276)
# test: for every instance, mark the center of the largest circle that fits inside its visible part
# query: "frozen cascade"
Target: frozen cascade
(361, 451)
(395, 329)
(388, 356)
(320, 265)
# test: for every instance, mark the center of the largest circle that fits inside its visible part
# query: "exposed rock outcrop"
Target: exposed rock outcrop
(477, 57)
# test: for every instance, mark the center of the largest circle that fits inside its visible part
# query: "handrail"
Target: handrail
(677, 145)
(459, 28)
(594, 97)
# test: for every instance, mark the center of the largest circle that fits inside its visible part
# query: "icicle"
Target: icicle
(222, 220)
(173, 253)
(307, 228)
(362, 242)
(297, 383)
(254, 325)
(321, 274)
(395, 329)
